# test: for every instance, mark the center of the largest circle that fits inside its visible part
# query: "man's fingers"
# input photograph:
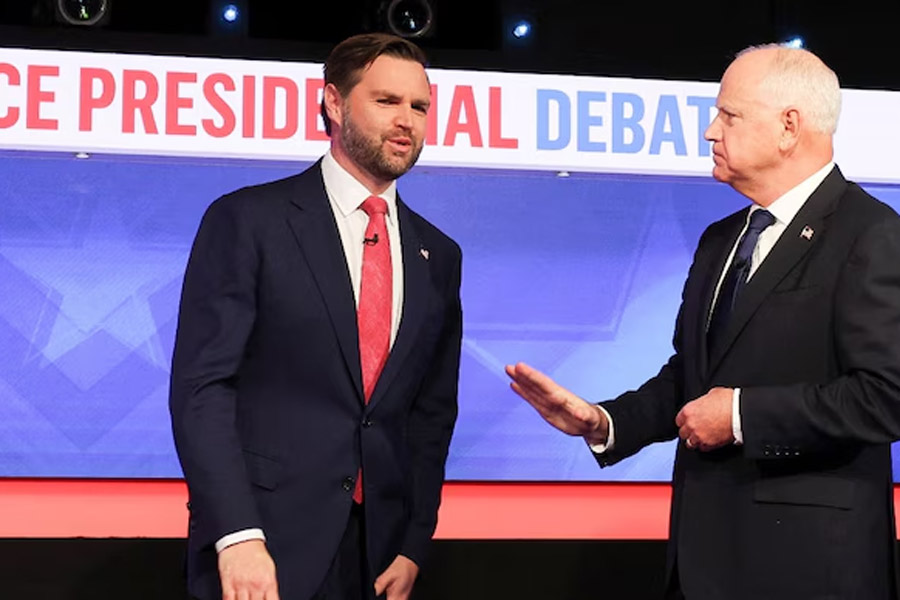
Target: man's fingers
(540, 381)
(528, 393)
(380, 585)
(551, 410)
(524, 383)
(546, 393)
(532, 378)
(540, 402)
(247, 572)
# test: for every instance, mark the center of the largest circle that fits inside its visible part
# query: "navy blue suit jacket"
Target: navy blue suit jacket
(804, 508)
(266, 393)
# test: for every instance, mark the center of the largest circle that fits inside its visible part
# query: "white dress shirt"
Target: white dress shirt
(345, 195)
(784, 209)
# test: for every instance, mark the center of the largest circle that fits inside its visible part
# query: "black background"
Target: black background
(674, 40)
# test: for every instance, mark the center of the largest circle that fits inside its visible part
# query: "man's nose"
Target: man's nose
(403, 116)
(712, 131)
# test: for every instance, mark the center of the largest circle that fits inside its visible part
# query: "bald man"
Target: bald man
(784, 387)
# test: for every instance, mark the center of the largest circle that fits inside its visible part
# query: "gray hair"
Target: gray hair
(798, 77)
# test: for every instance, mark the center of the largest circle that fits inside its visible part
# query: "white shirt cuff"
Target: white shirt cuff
(736, 417)
(237, 537)
(610, 437)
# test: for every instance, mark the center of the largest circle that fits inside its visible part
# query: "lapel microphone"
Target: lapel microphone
(371, 241)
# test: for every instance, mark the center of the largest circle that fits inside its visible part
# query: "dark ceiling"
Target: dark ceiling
(676, 40)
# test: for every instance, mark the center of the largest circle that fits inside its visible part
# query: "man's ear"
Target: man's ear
(333, 101)
(791, 123)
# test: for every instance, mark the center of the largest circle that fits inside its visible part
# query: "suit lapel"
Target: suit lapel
(416, 284)
(787, 252)
(312, 221)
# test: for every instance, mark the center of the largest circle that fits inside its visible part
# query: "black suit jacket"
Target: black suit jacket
(266, 393)
(803, 509)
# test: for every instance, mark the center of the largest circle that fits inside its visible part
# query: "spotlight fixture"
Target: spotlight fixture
(85, 13)
(522, 29)
(408, 18)
(228, 17)
(230, 13)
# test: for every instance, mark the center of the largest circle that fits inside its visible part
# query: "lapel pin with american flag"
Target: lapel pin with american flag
(425, 253)
(807, 233)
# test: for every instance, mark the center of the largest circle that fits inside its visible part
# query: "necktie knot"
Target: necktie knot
(737, 274)
(759, 220)
(374, 205)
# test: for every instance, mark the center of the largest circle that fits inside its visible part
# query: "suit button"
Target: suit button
(366, 423)
(347, 484)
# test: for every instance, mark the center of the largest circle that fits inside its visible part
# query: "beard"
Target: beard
(368, 151)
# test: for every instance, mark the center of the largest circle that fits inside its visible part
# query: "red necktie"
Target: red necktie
(374, 311)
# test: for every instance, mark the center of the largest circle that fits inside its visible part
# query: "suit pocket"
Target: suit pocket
(806, 490)
(796, 294)
(263, 471)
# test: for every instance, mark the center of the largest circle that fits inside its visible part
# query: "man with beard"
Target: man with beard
(314, 379)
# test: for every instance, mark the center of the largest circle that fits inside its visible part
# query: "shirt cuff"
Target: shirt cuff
(736, 417)
(237, 537)
(610, 437)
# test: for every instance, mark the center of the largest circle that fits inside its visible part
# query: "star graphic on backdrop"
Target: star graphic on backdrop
(87, 311)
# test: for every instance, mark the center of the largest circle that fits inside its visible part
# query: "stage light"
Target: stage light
(230, 13)
(408, 18)
(522, 29)
(795, 42)
(228, 18)
(83, 12)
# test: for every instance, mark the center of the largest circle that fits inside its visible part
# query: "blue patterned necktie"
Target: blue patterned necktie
(736, 277)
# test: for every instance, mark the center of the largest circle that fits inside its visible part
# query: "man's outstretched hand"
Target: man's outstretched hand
(559, 407)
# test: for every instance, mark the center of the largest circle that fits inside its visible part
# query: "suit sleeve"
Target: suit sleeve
(862, 405)
(216, 316)
(431, 422)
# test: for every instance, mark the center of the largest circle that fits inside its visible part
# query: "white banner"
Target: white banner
(139, 104)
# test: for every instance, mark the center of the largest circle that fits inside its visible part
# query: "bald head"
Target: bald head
(796, 77)
(777, 112)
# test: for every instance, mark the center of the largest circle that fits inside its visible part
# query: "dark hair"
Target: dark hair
(347, 61)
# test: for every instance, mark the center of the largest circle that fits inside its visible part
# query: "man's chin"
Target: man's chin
(398, 165)
(390, 171)
(720, 174)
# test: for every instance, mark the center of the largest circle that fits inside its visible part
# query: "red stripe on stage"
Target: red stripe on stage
(61, 508)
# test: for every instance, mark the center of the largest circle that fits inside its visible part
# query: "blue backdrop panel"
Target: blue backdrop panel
(580, 276)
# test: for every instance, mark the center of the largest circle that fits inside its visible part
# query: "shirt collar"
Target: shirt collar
(786, 206)
(347, 193)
